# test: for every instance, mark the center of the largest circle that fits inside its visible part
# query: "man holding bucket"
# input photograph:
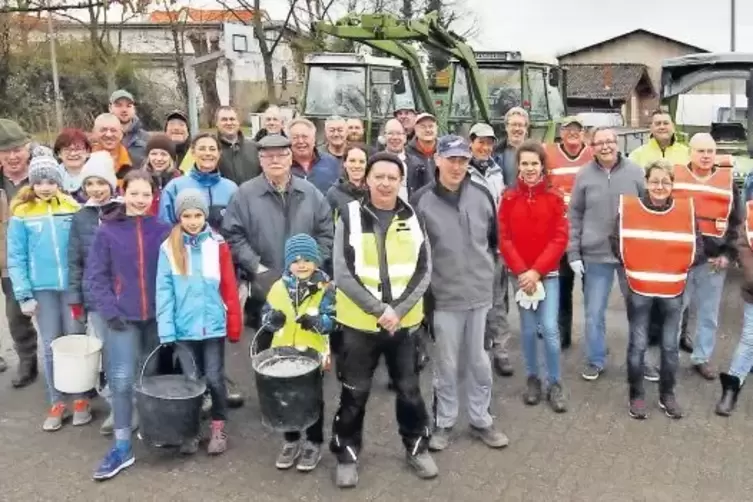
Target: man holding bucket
(382, 268)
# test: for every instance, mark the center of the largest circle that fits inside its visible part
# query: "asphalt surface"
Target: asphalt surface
(595, 452)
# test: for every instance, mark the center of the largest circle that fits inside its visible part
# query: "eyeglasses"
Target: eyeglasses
(659, 183)
(274, 156)
(603, 143)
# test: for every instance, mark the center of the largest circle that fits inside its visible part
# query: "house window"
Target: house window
(461, 97)
(537, 95)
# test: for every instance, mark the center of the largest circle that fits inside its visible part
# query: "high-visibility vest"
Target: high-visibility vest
(657, 248)
(713, 197)
(749, 222)
(402, 246)
(724, 161)
(561, 169)
(292, 334)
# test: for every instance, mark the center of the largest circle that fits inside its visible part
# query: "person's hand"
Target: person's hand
(77, 312)
(719, 263)
(29, 307)
(527, 281)
(116, 324)
(275, 320)
(389, 320)
(308, 322)
(577, 267)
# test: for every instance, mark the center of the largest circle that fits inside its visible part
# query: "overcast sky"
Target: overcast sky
(553, 26)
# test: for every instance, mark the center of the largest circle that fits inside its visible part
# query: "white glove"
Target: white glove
(29, 307)
(523, 299)
(577, 267)
(534, 304)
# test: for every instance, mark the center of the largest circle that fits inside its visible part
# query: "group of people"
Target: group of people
(152, 239)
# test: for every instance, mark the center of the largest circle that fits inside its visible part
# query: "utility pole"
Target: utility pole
(733, 83)
(55, 76)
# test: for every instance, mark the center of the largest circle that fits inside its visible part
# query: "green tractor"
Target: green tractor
(680, 76)
(481, 86)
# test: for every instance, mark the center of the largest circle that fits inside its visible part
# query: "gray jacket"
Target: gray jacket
(492, 178)
(259, 220)
(593, 208)
(463, 236)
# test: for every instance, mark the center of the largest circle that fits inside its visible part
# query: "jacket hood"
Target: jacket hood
(205, 179)
(196, 240)
(349, 188)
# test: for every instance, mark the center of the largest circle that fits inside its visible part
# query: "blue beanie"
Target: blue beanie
(301, 246)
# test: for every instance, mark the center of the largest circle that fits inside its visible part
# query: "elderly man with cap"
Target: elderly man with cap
(486, 172)
(16, 151)
(563, 161)
(382, 264)
(176, 127)
(424, 144)
(406, 115)
(267, 210)
(123, 106)
(461, 222)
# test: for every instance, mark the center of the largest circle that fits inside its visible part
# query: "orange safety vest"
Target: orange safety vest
(657, 248)
(724, 161)
(561, 169)
(713, 197)
(749, 222)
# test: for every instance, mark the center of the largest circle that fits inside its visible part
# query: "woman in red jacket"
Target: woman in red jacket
(532, 239)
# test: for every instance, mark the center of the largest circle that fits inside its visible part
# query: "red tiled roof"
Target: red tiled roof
(203, 16)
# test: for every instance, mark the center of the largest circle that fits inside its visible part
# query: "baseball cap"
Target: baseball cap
(273, 141)
(121, 94)
(482, 130)
(177, 114)
(572, 119)
(453, 146)
(422, 116)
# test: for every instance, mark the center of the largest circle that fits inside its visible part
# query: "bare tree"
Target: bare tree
(177, 21)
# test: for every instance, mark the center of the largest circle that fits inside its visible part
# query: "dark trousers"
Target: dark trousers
(315, 433)
(357, 357)
(210, 363)
(656, 325)
(565, 314)
(639, 313)
(21, 329)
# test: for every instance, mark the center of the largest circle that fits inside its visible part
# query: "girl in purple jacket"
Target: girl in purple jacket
(120, 277)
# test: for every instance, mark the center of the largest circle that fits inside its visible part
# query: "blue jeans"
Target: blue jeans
(597, 284)
(639, 311)
(54, 319)
(209, 356)
(98, 327)
(124, 355)
(705, 287)
(742, 360)
(545, 317)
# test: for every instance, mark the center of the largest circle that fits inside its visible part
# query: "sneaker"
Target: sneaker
(668, 403)
(346, 475)
(490, 436)
(82, 413)
(651, 373)
(532, 395)
(288, 455)
(637, 409)
(311, 454)
(115, 461)
(440, 439)
(189, 446)
(55, 418)
(423, 465)
(556, 397)
(591, 372)
(218, 442)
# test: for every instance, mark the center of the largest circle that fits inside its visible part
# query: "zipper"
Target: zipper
(56, 248)
(142, 281)
(385, 286)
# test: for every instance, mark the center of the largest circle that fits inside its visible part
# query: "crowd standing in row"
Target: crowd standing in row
(357, 253)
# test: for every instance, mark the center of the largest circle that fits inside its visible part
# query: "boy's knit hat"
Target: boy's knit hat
(160, 141)
(191, 198)
(44, 168)
(301, 246)
(100, 165)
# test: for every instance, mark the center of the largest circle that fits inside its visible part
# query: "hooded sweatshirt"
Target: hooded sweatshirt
(218, 192)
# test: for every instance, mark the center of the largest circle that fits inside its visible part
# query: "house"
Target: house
(635, 56)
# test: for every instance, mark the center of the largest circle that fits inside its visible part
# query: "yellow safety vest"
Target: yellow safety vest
(292, 334)
(402, 246)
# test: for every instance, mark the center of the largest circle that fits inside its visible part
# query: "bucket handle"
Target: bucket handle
(192, 375)
(253, 348)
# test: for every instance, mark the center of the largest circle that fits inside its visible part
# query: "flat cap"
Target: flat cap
(273, 141)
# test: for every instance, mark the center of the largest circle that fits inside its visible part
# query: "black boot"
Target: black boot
(27, 373)
(730, 389)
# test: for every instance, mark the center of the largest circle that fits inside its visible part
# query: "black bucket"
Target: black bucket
(289, 385)
(169, 406)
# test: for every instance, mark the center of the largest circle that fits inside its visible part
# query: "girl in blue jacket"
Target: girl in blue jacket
(197, 303)
(38, 233)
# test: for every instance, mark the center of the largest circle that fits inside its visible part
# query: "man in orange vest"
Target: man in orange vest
(718, 209)
(650, 226)
(563, 161)
(107, 135)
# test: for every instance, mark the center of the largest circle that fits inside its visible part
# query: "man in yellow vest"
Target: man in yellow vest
(382, 266)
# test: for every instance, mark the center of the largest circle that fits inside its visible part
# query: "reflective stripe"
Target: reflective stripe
(656, 276)
(560, 171)
(697, 187)
(658, 235)
(749, 222)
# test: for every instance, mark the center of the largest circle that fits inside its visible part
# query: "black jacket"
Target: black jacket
(240, 160)
(343, 192)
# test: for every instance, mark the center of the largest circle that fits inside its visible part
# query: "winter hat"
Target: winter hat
(100, 165)
(191, 198)
(12, 135)
(385, 157)
(301, 246)
(44, 168)
(159, 141)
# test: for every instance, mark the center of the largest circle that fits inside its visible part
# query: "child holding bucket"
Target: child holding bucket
(37, 242)
(120, 277)
(300, 310)
(197, 302)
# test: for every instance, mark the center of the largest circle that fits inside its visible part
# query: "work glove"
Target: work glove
(117, 324)
(275, 320)
(308, 322)
(29, 307)
(77, 312)
(577, 267)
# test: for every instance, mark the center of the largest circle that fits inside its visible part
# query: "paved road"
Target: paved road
(593, 453)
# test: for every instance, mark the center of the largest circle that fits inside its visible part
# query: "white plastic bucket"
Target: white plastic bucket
(76, 363)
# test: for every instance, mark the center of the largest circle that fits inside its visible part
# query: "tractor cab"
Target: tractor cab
(688, 81)
(355, 86)
(535, 84)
